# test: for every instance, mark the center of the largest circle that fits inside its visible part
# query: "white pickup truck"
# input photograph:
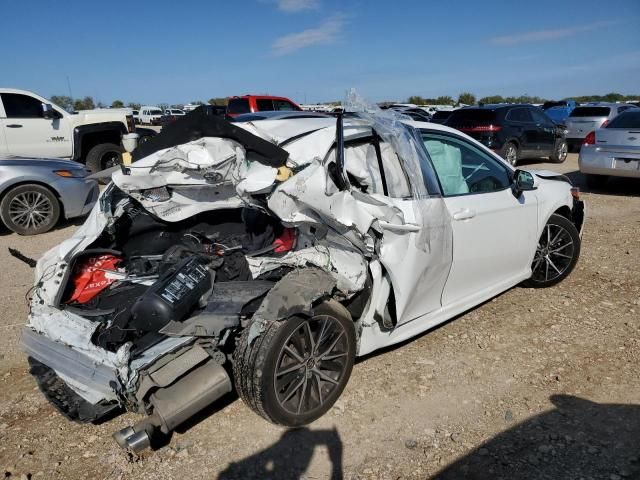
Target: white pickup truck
(32, 126)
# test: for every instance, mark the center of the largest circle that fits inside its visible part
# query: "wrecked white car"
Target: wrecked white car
(267, 255)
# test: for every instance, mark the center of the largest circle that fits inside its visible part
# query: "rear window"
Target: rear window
(626, 120)
(471, 116)
(238, 105)
(590, 112)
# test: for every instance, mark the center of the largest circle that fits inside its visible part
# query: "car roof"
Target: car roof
(271, 97)
(279, 115)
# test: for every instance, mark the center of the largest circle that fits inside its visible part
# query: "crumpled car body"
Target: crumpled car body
(220, 234)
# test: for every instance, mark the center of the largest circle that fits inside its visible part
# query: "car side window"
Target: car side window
(519, 115)
(463, 168)
(282, 105)
(264, 105)
(539, 117)
(17, 105)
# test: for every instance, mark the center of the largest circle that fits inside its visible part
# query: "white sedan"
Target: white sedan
(613, 150)
(271, 253)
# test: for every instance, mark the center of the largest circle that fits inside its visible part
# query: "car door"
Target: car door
(415, 249)
(546, 132)
(494, 233)
(524, 129)
(29, 134)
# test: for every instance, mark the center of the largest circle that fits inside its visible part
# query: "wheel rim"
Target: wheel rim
(30, 210)
(562, 151)
(311, 364)
(554, 253)
(110, 159)
(512, 155)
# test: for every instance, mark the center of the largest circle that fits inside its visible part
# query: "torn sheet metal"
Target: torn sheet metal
(295, 294)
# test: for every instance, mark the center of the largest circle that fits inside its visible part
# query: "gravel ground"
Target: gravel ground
(533, 384)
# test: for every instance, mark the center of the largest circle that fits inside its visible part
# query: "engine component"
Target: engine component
(173, 296)
(90, 277)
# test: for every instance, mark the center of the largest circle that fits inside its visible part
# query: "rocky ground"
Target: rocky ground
(533, 384)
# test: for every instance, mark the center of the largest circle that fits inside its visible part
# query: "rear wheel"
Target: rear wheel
(103, 156)
(510, 153)
(560, 152)
(557, 253)
(30, 209)
(296, 369)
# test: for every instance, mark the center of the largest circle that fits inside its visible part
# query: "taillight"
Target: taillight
(590, 139)
(605, 123)
(481, 128)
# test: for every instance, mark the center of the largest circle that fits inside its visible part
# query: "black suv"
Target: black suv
(513, 131)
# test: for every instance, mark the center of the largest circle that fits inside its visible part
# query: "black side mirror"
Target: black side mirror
(523, 181)
(48, 112)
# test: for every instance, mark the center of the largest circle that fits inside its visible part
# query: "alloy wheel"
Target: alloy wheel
(563, 150)
(110, 159)
(511, 155)
(554, 253)
(30, 210)
(311, 364)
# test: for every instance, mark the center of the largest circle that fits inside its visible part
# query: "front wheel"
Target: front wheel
(30, 209)
(560, 152)
(556, 254)
(103, 156)
(296, 369)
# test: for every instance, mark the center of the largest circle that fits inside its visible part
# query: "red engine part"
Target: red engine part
(286, 241)
(89, 277)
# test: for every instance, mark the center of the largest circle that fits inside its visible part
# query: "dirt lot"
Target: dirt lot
(533, 384)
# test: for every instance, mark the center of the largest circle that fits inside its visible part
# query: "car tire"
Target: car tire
(30, 209)
(510, 153)
(596, 182)
(556, 254)
(560, 151)
(294, 391)
(104, 156)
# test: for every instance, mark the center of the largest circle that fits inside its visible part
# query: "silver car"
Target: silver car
(613, 150)
(35, 193)
(590, 117)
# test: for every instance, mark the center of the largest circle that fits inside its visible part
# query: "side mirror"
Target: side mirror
(523, 181)
(48, 112)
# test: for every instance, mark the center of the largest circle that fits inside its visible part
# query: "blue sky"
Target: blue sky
(313, 50)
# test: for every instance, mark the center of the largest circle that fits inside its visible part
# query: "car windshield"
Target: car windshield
(591, 112)
(626, 120)
(155, 112)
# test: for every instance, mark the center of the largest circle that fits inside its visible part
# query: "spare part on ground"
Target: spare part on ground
(266, 255)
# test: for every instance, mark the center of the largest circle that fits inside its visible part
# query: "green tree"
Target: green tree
(444, 100)
(84, 104)
(134, 106)
(467, 98)
(492, 99)
(416, 100)
(117, 104)
(197, 102)
(219, 101)
(64, 102)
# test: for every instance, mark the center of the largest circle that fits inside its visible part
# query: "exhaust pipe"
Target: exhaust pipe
(175, 404)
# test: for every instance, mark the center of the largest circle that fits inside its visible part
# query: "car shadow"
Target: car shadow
(577, 439)
(289, 457)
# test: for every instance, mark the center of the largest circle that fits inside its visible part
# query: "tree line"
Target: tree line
(468, 98)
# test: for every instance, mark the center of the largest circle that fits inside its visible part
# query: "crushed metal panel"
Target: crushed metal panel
(295, 294)
(202, 123)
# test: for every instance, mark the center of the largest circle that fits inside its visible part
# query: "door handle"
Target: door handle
(405, 227)
(464, 214)
(14, 125)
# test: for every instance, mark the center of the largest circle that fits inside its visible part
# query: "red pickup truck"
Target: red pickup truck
(259, 103)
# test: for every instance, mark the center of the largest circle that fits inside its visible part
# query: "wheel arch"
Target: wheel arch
(85, 137)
